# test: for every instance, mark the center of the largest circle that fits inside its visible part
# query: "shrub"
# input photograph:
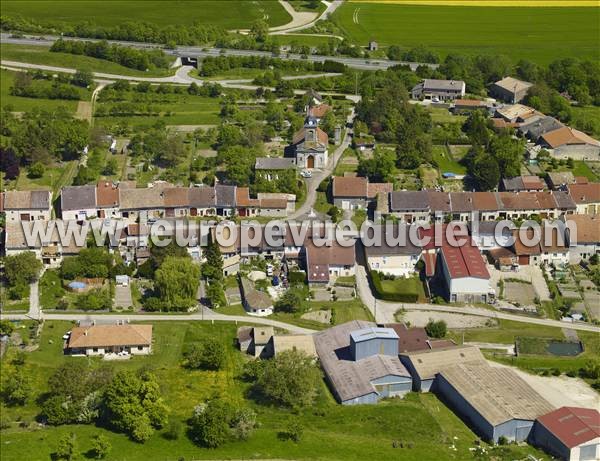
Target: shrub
(207, 355)
(376, 278)
(436, 329)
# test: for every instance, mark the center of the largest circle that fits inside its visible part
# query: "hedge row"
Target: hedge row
(387, 296)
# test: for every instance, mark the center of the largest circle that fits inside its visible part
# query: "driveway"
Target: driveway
(531, 274)
(123, 296)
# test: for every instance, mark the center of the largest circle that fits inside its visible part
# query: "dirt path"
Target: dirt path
(559, 390)
(299, 18)
(84, 111)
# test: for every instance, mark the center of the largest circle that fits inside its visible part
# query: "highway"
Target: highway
(202, 52)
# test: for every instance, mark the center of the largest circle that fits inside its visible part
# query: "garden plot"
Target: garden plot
(521, 293)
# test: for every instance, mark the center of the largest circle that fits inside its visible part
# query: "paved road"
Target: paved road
(207, 316)
(291, 27)
(181, 77)
(384, 311)
(202, 52)
(313, 183)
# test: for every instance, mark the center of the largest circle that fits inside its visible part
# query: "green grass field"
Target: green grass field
(42, 55)
(175, 109)
(539, 34)
(236, 14)
(331, 431)
(445, 161)
(20, 104)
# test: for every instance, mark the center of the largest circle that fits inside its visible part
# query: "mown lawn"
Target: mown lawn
(540, 34)
(35, 54)
(424, 426)
(404, 285)
(445, 162)
(175, 109)
(237, 14)
(506, 332)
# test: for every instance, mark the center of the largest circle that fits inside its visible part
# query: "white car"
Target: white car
(306, 174)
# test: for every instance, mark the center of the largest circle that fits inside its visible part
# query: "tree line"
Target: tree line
(135, 31)
(126, 56)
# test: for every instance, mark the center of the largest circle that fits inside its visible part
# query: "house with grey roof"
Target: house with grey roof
(225, 199)
(202, 201)
(535, 127)
(361, 362)
(78, 202)
(272, 168)
(443, 90)
(31, 205)
(410, 206)
(257, 303)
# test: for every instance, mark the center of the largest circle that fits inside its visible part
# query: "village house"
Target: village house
(257, 303)
(583, 236)
(353, 192)
(107, 200)
(568, 142)
(396, 255)
(586, 197)
(516, 113)
(78, 203)
(202, 201)
(409, 206)
(559, 180)
(442, 90)
(529, 183)
(536, 126)
(50, 251)
(510, 89)
(146, 204)
(361, 364)
(310, 145)
(570, 433)
(100, 340)
(268, 168)
(325, 263)
(27, 205)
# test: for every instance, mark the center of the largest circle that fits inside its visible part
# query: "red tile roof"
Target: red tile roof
(319, 111)
(585, 193)
(572, 426)
(349, 186)
(464, 261)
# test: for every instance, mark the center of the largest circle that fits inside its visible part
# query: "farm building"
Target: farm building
(586, 197)
(424, 365)
(302, 343)
(583, 235)
(572, 434)
(494, 401)
(467, 278)
(106, 339)
(510, 89)
(568, 142)
(361, 362)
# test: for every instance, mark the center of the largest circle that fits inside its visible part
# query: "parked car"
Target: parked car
(269, 270)
(306, 174)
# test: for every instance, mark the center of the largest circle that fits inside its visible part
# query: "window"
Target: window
(140, 348)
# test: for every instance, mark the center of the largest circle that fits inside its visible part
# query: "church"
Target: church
(309, 145)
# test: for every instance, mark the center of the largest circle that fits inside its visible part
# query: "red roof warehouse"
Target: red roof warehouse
(569, 432)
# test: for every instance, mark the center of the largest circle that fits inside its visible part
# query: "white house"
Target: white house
(393, 258)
